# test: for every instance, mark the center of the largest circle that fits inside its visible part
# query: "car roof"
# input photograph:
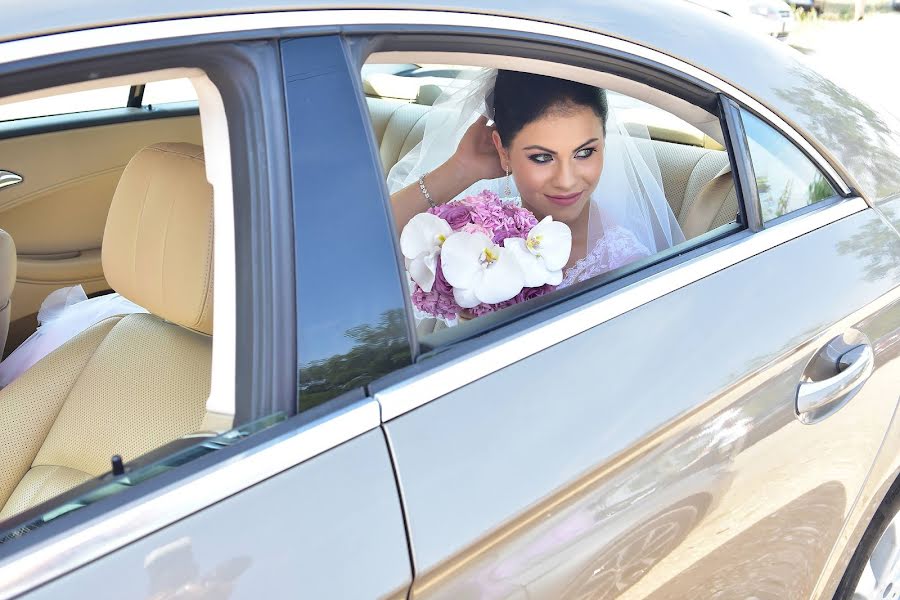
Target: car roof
(766, 69)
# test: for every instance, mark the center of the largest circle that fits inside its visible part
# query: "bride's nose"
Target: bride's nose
(565, 175)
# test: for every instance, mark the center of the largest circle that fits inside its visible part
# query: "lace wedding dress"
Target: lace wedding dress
(617, 248)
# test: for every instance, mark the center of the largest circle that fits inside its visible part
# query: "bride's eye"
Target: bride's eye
(585, 153)
(541, 158)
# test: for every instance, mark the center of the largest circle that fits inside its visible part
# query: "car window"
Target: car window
(660, 124)
(676, 163)
(92, 310)
(786, 180)
(170, 90)
(155, 93)
(74, 102)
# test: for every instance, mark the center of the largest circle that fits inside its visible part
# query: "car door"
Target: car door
(284, 505)
(643, 440)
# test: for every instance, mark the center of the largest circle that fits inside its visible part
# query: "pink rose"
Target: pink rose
(455, 213)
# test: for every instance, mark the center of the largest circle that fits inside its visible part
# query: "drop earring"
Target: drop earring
(507, 192)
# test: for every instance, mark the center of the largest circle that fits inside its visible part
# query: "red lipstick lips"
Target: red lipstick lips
(564, 200)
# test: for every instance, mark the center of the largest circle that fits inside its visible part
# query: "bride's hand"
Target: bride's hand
(476, 155)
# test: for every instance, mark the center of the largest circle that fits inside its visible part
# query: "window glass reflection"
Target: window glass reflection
(786, 179)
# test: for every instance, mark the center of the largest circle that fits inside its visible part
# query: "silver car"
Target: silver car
(716, 421)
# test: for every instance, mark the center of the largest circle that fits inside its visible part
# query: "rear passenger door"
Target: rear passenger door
(642, 439)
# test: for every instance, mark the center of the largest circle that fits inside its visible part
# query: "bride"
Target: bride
(557, 144)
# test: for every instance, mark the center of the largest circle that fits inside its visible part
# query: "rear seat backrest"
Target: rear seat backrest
(398, 126)
(689, 173)
(698, 185)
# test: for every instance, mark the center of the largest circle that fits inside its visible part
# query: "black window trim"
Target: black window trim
(741, 164)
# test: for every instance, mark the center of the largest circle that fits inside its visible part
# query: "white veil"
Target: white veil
(629, 193)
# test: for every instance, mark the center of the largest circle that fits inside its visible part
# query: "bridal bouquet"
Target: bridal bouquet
(482, 254)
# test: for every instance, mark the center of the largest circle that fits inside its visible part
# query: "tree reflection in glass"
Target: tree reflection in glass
(379, 349)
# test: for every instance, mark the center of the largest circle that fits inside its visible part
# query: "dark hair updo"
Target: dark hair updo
(520, 98)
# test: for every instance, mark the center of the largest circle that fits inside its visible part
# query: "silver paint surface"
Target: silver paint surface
(659, 453)
(328, 528)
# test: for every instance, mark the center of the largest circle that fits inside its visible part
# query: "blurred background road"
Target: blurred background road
(863, 56)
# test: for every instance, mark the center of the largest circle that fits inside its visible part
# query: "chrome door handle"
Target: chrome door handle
(8, 178)
(854, 366)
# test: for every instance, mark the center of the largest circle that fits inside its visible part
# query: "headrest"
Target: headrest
(158, 241)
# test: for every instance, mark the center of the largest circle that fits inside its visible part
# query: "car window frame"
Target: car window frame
(364, 42)
(402, 391)
(126, 95)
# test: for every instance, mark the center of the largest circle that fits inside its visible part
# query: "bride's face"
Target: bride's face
(556, 161)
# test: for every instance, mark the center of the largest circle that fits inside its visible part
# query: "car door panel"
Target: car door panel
(57, 213)
(658, 454)
(330, 527)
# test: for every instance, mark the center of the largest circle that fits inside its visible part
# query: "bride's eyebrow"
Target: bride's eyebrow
(541, 148)
(549, 151)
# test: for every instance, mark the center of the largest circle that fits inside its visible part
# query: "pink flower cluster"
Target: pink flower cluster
(484, 213)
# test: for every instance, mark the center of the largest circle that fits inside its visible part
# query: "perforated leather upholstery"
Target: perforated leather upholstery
(128, 384)
(687, 171)
(7, 283)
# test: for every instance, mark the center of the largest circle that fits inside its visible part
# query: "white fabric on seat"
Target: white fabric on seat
(65, 313)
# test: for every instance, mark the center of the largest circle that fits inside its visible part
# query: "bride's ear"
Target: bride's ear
(501, 151)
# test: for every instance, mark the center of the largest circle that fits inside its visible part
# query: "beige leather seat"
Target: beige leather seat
(698, 184)
(133, 383)
(7, 283)
(696, 180)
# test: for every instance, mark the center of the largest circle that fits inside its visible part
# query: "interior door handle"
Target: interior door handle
(8, 178)
(817, 399)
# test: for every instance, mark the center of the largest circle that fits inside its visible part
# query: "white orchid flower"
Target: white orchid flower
(544, 253)
(420, 243)
(479, 270)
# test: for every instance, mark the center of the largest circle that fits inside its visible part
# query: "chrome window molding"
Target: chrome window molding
(78, 546)
(34, 47)
(415, 392)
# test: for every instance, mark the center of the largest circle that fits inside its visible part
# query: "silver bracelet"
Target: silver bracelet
(424, 191)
